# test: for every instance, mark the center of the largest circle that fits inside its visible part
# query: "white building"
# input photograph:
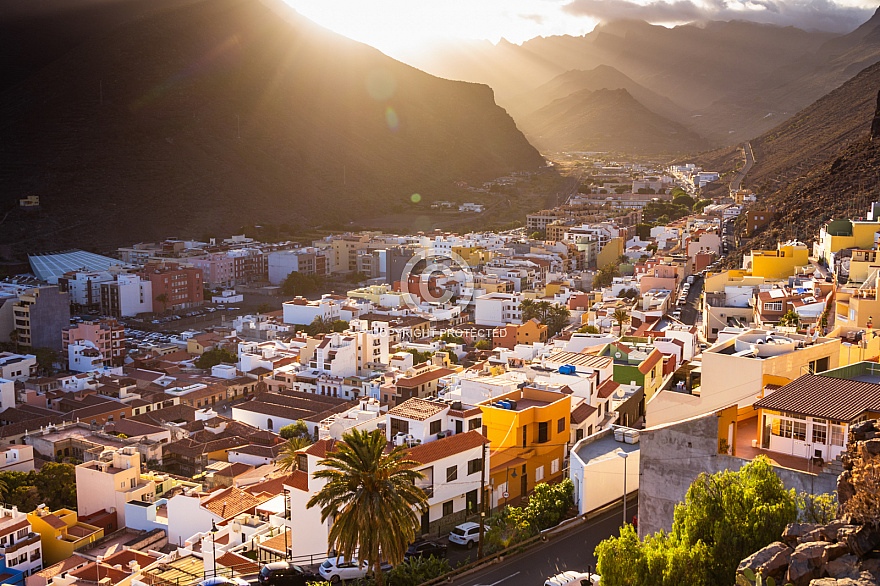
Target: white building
(597, 470)
(301, 311)
(20, 548)
(17, 458)
(17, 367)
(111, 481)
(128, 296)
(498, 309)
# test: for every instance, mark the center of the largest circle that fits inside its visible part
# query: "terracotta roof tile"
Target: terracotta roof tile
(824, 397)
(230, 502)
(582, 412)
(434, 450)
(651, 361)
(607, 389)
(417, 409)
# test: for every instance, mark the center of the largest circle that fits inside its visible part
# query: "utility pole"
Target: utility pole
(482, 503)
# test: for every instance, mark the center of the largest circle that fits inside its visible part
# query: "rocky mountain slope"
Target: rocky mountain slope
(606, 120)
(738, 79)
(205, 116)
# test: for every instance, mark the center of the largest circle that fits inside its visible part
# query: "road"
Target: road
(690, 311)
(750, 160)
(571, 551)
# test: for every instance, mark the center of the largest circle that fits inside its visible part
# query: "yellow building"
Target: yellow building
(858, 308)
(610, 252)
(777, 264)
(528, 430)
(512, 334)
(61, 533)
(837, 235)
(474, 256)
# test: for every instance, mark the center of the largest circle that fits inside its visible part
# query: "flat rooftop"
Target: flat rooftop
(603, 447)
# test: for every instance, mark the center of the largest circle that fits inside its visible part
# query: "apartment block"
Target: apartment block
(40, 315)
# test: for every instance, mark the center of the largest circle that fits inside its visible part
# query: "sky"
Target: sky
(401, 27)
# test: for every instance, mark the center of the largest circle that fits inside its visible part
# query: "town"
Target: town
(167, 414)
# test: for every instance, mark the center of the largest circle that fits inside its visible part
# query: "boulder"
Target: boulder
(819, 534)
(863, 579)
(806, 563)
(842, 567)
(823, 582)
(859, 539)
(801, 572)
(794, 531)
(871, 565)
(836, 550)
(845, 488)
(872, 446)
(769, 561)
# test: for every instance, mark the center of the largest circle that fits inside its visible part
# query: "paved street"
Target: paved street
(571, 551)
(690, 311)
(749, 161)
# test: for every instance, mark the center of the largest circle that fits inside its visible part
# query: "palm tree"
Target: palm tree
(557, 319)
(528, 309)
(288, 452)
(372, 498)
(4, 489)
(163, 299)
(620, 316)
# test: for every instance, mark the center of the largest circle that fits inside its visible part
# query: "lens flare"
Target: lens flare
(391, 119)
(415, 198)
(380, 85)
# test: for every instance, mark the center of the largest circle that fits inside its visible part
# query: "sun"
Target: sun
(401, 27)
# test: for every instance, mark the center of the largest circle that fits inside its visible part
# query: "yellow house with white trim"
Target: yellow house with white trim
(777, 264)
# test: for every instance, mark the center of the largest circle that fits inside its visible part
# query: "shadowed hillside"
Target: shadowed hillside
(219, 113)
(606, 120)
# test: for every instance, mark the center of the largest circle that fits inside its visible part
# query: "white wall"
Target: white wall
(7, 394)
(186, 518)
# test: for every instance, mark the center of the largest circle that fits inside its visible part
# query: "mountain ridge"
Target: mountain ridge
(236, 115)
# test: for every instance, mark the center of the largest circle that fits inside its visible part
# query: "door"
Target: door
(426, 522)
(459, 426)
(524, 481)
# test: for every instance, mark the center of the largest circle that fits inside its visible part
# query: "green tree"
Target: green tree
(482, 345)
(535, 235)
(790, 319)
(288, 454)
(418, 570)
(163, 299)
(684, 200)
(371, 497)
(339, 325)
(621, 316)
(605, 276)
(264, 307)
(588, 330)
(419, 357)
(212, 358)
(56, 484)
(297, 283)
(450, 338)
(556, 319)
(629, 294)
(320, 325)
(46, 360)
(725, 517)
(298, 429)
(698, 206)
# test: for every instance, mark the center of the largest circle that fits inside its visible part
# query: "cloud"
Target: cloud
(825, 15)
(537, 18)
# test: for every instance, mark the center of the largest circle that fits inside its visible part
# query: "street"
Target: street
(749, 161)
(690, 311)
(570, 551)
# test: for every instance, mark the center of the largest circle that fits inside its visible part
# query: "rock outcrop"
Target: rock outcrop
(845, 552)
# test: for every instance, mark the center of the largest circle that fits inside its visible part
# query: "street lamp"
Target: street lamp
(213, 546)
(623, 455)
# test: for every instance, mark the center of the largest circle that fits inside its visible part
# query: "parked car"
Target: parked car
(285, 574)
(465, 534)
(424, 549)
(572, 578)
(336, 569)
(224, 581)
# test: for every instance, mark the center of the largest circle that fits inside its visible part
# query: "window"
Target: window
(799, 431)
(451, 473)
(435, 427)
(554, 466)
(560, 425)
(539, 474)
(399, 426)
(773, 306)
(820, 434)
(543, 435)
(837, 435)
(474, 466)
(781, 427)
(475, 423)
(447, 508)
(22, 533)
(578, 435)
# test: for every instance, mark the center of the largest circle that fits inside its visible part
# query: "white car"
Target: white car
(465, 534)
(572, 578)
(338, 569)
(224, 581)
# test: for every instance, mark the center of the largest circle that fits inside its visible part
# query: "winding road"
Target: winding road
(736, 184)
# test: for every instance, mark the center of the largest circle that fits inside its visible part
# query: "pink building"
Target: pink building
(107, 336)
(660, 277)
